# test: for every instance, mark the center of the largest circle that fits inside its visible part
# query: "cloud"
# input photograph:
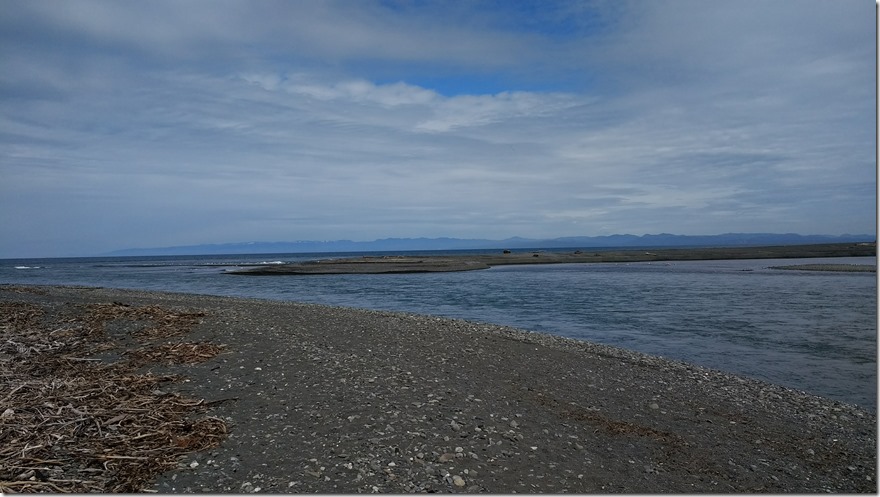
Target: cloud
(163, 123)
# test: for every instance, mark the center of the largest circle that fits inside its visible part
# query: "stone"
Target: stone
(458, 481)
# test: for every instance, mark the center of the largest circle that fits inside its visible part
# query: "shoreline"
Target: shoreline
(337, 400)
(838, 268)
(396, 264)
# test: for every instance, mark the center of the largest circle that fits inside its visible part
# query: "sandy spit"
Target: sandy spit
(840, 268)
(470, 262)
(338, 400)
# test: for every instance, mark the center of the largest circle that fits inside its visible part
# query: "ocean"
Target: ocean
(811, 331)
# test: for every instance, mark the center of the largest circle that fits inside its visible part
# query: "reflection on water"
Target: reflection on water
(813, 331)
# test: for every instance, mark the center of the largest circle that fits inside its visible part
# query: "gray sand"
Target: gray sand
(336, 400)
(469, 262)
(838, 268)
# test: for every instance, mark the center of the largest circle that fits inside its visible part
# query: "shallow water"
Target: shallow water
(812, 331)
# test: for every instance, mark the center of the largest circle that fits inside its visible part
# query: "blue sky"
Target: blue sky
(158, 123)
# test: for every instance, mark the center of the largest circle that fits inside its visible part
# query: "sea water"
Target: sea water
(811, 331)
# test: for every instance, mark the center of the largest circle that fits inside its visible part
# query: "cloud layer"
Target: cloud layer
(170, 123)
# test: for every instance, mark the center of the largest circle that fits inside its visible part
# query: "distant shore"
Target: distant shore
(431, 264)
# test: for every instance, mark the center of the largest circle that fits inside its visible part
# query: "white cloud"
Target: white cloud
(292, 120)
(363, 91)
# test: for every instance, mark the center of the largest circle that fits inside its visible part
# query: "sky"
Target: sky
(160, 123)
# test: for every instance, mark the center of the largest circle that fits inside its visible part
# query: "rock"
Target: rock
(458, 481)
(446, 457)
(654, 405)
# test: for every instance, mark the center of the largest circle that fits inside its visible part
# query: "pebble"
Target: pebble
(418, 434)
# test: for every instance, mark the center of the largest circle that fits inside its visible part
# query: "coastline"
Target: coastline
(391, 264)
(337, 400)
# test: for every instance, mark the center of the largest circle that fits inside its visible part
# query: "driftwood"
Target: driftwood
(74, 423)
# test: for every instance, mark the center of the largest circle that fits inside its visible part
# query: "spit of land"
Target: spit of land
(470, 262)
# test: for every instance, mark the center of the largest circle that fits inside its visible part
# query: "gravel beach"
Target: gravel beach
(337, 400)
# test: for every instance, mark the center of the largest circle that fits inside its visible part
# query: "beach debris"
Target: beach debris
(165, 323)
(177, 353)
(75, 423)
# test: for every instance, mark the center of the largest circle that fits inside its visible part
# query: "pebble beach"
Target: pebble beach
(325, 399)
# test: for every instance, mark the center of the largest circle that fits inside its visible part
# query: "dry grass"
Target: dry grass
(73, 423)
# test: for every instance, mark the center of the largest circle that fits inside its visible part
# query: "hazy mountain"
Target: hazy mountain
(405, 244)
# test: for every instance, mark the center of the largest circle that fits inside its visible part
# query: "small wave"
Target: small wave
(272, 262)
(27, 267)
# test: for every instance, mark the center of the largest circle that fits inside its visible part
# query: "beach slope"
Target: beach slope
(335, 400)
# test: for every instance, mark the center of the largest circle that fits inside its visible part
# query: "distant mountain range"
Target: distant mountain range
(409, 244)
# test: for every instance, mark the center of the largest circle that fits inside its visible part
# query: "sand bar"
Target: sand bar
(837, 268)
(337, 400)
(427, 264)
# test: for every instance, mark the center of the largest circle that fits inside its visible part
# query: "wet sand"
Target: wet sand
(337, 400)
(427, 264)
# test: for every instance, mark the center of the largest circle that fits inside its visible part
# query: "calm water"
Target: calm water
(813, 331)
